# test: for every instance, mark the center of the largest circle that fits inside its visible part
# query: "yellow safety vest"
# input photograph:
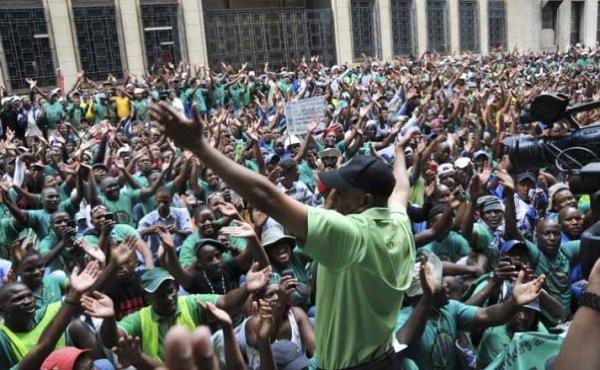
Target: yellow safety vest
(22, 343)
(150, 328)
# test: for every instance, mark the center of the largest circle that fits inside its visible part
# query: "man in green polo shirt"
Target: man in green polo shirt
(166, 309)
(364, 248)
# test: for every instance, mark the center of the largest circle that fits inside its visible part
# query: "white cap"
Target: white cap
(291, 140)
(462, 162)
(445, 168)
(124, 149)
(251, 74)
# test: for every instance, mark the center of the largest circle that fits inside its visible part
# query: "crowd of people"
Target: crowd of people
(171, 221)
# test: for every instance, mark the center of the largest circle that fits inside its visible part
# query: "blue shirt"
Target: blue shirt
(177, 216)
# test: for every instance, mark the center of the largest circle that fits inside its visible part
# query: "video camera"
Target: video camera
(575, 153)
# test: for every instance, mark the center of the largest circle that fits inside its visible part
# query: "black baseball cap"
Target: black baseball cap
(364, 172)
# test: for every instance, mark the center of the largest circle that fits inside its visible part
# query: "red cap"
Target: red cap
(63, 359)
(38, 164)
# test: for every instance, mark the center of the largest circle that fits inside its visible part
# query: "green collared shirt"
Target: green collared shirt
(365, 265)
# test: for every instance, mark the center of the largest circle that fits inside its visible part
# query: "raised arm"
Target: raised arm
(413, 328)
(79, 283)
(252, 186)
(401, 191)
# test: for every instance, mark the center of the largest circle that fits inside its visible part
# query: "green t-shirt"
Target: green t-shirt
(132, 324)
(197, 97)
(118, 234)
(141, 110)
(237, 94)
(485, 243)
(74, 115)
(307, 175)
(368, 255)
(494, 341)
(54, 286)
(100, 111)
(123, 206)
(556, 268)
(8, 235)
(39, 219)
(53, 112)
(436, 348)
(301, 268)
(217, 96)
(417, 191)
(187, 254)
(451, 249)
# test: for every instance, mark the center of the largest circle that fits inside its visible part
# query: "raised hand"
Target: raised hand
(242, 230)
(187, 133)
(165, 237)
(215, 313)
(228, 210)
(82, 281)
(265, 315)
(524, 293)
(506, 180)
(128, 351)
(96, 253)
(185, 351)
(426, 276)
(287, 285)
(256, 279)
(98, 305)
(504, 270)
(120, 253)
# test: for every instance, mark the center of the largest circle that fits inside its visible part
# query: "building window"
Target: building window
(469, 25)
(161, 34)
(497, 23)
(364, 28)
(576, 12)
(548, 17)
(403, 27)
(26, 44)
(437, 26)
(97, 40)
(277, 36)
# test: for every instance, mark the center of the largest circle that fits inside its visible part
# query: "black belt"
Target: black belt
(388, 358)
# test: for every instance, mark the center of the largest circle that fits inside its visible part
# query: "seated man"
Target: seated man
(166, 309)
(28, 336)
(436, 347)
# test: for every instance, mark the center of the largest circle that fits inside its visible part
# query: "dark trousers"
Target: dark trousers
(388, 361)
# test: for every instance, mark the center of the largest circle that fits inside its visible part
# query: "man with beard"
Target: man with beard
(166, 309)
(434, 345)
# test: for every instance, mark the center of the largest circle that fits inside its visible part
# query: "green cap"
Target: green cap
(152, 279)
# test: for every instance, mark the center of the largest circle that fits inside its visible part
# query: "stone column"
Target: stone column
(590, 23)
(563, 28)
(343, 30)
(62, 38)
(133, 41)
(195, 36)
(385, 29)
(524, 24)
(484, 30)
(421, 11)
(454, 23)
